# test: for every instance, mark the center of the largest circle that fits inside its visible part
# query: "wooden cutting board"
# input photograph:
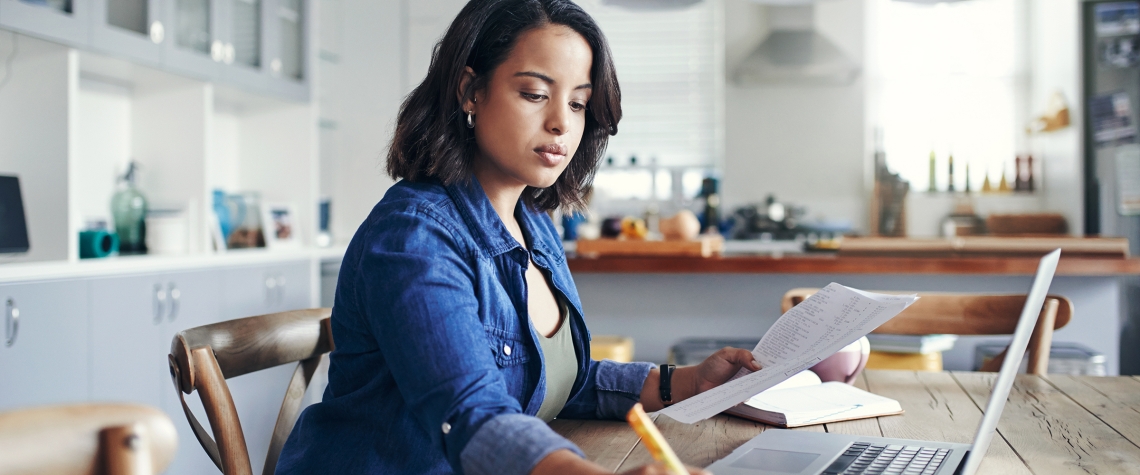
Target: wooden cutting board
(703, 246)
(984, 246)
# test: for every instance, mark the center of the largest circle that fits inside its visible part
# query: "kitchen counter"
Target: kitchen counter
(660, 300)
(830, 263)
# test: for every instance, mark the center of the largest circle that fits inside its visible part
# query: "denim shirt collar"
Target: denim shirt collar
(485, 225)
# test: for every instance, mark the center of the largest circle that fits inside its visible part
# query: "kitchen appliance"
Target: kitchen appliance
(1110, 70)
(13, 227)
(794, 52)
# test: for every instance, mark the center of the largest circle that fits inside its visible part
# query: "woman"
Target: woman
(458, 328)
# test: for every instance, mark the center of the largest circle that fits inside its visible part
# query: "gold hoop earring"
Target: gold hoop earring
(470, 120)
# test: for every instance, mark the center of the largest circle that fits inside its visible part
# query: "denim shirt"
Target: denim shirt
(437, 367)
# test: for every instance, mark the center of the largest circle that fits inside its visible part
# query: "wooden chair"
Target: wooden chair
(203, 358)
(972, 314)
(86, 439)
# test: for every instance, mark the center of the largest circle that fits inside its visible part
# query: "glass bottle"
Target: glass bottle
(932, 187)
(128, 208)
(950, 160)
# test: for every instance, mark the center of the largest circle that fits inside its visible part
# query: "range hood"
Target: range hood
(651, 4)
(794, 53)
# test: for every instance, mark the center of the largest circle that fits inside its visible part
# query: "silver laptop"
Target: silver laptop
(787, 452)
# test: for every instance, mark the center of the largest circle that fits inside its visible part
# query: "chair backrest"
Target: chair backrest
(87, 439)
(971, 314)
(202, 358)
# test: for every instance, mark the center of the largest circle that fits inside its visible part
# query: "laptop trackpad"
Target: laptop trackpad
(775, 460)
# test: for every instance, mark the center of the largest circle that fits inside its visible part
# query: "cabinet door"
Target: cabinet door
(134, 29)
(195, 300)
(128, 357)
(44, 346)
(194, 45)
(250, 291)
(289, 32)
(64, 21)
(243, 31)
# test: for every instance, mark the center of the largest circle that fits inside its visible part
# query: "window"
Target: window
(670, 67)
(950, 78)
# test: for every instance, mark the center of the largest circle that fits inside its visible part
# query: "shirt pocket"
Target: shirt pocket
(508, 348)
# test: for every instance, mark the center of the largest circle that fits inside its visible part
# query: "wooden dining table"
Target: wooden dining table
(1055, 424)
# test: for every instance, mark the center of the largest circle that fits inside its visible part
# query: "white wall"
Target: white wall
(360, 94)
(1055, 65)
(102, 145)
(803, 143)
(35, 129)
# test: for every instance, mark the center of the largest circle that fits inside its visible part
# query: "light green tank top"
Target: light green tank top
(560, 368)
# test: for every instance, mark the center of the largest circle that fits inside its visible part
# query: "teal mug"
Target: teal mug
(97, 243)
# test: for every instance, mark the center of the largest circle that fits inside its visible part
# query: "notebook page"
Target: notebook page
(811, 331)
(824, 401)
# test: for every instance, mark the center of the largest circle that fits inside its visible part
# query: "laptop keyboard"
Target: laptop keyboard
(862, 458)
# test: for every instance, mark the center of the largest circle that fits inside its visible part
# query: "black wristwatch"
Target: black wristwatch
(666, 385)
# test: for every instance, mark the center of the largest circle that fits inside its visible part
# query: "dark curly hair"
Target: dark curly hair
(432, 139)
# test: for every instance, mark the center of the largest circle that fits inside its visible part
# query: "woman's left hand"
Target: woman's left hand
(721, 366)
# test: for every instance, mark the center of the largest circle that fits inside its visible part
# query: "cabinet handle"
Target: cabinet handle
(175, 296)
(157, 32)
(12, 326)
(217, 51)
(270, 289)
(159, 303)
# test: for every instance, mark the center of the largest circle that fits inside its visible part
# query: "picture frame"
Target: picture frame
(280, 226)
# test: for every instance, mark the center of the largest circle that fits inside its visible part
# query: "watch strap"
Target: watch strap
(666, 384)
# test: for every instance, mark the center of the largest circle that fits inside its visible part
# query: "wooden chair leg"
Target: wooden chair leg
(1039, 343)
(125, 450)
(1042, 340)
(220, 410)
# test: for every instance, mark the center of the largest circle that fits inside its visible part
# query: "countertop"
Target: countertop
(830, 263)
(17, 272)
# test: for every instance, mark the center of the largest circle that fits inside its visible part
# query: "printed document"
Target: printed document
(818, 327)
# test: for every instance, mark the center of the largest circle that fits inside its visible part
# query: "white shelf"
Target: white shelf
(134, 265)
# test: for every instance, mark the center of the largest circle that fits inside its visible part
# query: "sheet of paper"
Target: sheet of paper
(811, 331)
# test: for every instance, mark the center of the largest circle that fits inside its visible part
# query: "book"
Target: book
(802, 337)
(911, 343)
(805, 401)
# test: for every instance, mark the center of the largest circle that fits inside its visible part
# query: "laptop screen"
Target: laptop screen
(1029, 313)
(13, 228)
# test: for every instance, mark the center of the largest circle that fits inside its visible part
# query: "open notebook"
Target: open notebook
(803, 400)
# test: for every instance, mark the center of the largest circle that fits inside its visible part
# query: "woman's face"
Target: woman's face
(530, 116)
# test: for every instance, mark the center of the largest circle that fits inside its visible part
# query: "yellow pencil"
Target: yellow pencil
(653, 440)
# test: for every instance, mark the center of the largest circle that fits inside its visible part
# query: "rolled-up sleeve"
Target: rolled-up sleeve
(421, 305)
(608, 392)
(511, 443)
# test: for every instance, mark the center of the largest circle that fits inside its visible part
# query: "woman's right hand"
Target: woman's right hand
(661, 469)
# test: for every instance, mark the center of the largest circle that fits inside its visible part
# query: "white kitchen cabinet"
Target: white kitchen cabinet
(250, 291)
(132, 29)
(55, 20)
(134, 320)
(44, 346)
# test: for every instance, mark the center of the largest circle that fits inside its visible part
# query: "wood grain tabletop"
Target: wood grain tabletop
(1056, 424)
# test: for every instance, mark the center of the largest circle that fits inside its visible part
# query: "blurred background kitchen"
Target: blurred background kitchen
(236, 145)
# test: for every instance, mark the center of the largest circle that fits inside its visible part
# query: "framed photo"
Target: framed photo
(279, 223)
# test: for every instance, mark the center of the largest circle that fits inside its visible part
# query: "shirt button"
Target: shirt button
(446, 427)
(507, 350)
